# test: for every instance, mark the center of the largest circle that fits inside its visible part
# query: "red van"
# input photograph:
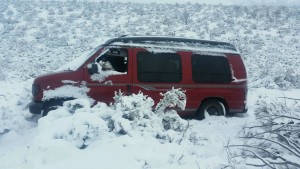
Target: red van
(212, 74)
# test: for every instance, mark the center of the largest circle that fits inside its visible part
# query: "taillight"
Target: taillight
(35, 89)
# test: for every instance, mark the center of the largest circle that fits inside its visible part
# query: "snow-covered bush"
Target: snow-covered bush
(80, 123)
(135, 115)
(132, 113)
(83, 129)
(135, 112)
(174, 98)
(171, 99)
(274, 141)
(74, 123)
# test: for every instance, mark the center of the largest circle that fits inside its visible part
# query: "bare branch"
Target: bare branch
(284, 116)
(276, 130)
(282, 145)
(261, 159)
(285, 163)
(256, 165)
(262, 149)
(198, 165)
(289, 98)
(295, 144)
(251, 127)
(183, 135)
(180, 158)
(289, 143)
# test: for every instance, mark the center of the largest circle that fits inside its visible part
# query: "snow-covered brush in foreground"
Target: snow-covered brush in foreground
(74, 123)
(275, 141)
(172, 99)
(80, 123)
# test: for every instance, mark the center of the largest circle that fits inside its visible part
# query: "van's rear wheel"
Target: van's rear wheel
(212, 107)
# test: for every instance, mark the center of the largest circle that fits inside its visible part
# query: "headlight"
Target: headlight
(35, 89)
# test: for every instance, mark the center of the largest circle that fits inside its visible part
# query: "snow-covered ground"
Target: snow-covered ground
(201, 145)
(40, 37)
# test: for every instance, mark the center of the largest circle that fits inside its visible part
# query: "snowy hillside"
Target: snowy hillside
(45, 35)
(40, 37)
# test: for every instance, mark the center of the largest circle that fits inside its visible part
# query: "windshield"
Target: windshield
(77, 62)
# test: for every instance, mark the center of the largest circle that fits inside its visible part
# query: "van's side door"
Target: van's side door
(115, 74)
(156, 72)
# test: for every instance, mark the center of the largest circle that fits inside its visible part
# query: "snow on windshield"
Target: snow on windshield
(76, 63)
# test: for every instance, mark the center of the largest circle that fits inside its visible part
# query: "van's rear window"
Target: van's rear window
(210, 69)
(159, 67)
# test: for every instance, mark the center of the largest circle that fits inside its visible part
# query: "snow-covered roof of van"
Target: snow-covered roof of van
(174, 43)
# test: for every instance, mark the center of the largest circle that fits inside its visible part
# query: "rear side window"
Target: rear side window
(159, 67)
(210, 69)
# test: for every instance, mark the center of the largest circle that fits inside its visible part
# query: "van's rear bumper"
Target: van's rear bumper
(35, 107)
(232, 111)
(245, 110)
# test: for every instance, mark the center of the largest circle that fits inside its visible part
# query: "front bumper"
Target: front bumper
(36, 107)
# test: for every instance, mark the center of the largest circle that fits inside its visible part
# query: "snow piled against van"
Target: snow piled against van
(134, 133)
(130, 133)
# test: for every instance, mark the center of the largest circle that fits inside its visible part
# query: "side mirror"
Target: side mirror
(92, 68)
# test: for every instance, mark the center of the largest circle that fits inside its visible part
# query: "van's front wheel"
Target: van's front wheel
(51, 105)
(212, 107)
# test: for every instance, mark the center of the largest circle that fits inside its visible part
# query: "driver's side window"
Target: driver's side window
(115, 59)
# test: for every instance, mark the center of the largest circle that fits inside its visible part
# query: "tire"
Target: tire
(212, 107)
(49, 106)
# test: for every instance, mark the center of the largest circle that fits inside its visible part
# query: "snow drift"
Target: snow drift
(80, 123)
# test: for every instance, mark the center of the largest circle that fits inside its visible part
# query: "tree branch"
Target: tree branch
(183, 135)
(260, 158)
(289, 98)
(284, 116)
(289, 143)
(262, 149)
(282, 145)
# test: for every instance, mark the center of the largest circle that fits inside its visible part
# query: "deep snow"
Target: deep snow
(203, 145)
(33, 148)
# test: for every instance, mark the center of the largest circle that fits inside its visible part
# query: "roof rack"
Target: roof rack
(161, 39)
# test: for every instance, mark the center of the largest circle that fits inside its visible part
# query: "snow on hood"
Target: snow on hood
(67, 91)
